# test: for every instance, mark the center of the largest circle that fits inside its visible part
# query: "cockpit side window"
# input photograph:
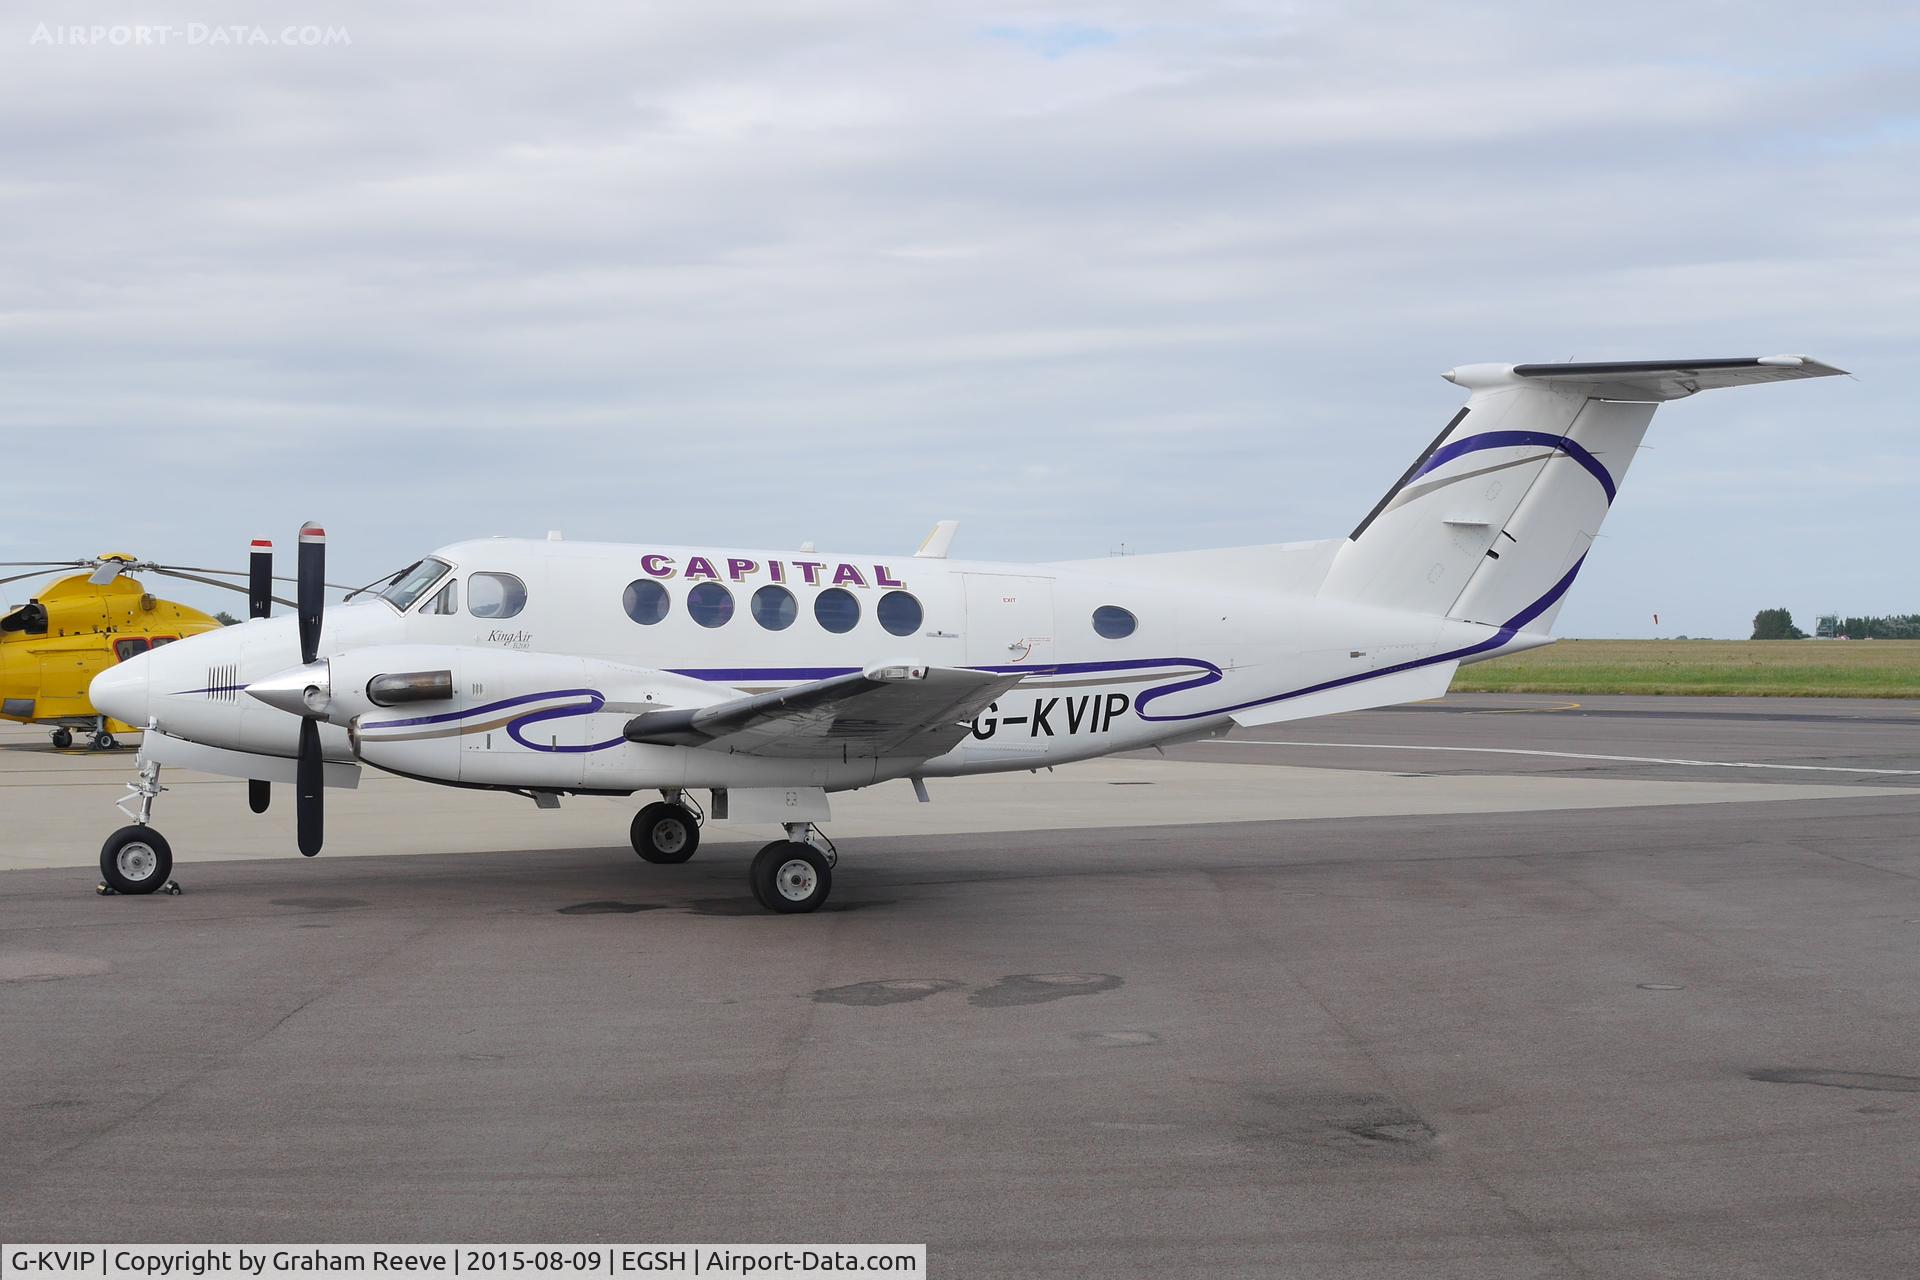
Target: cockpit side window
(495, 595)
(412, 582)
(447, 601)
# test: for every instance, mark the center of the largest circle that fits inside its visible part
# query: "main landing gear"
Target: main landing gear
(796, 874)
(668, 830)
(788, 876)
(138, 859)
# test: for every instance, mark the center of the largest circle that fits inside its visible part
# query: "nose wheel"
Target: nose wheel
(137, 859)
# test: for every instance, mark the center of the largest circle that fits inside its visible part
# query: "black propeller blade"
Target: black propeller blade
(309, 812)
(260, 579)
(259, 605)
(308, 780)
(313, 574)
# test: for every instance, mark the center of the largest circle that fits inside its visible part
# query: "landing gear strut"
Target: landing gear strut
(796, 874)
(138, 859)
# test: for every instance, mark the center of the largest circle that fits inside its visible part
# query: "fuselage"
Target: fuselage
(1117, 654)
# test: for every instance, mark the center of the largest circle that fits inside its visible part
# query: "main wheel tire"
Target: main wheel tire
(790, 877)
(665, 833)
(136, 860)
(62, 738)
(103, 741)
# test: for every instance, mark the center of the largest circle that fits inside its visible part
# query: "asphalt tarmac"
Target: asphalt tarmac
(1256, 1009)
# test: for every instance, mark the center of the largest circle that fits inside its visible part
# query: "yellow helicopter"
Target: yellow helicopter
(52, 647)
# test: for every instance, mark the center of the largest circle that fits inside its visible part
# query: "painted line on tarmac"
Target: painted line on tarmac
(1568, 755)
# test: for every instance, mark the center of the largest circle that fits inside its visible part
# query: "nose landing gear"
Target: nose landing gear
(138, 859)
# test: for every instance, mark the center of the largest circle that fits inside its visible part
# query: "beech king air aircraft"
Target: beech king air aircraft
(770, 680)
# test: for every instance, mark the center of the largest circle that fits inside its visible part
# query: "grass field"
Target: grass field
(1764, 668)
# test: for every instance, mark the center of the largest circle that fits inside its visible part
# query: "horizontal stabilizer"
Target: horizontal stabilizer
(1647, 379)
(1416, 685)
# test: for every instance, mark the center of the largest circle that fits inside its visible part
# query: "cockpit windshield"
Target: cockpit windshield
(413, 581)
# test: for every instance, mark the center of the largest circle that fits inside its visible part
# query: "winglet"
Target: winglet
(938, 542)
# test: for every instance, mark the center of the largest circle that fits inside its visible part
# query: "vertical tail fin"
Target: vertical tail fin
(1493, 521)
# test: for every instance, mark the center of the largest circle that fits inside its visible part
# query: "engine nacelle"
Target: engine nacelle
(497, 717)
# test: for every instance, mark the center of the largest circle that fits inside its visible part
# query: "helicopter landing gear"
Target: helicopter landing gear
(62, 738)
(101, 740)
(138, 859)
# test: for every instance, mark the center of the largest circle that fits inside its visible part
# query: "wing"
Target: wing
(883, 711)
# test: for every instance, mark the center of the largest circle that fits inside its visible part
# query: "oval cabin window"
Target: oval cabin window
(899, 613)
(495, 595)
(773, 608)
(836, 610)
(710, 604)
(645, 601)
(1113, 622)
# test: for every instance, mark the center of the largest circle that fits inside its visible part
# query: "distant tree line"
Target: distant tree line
(1776, 624)
(1898, 626)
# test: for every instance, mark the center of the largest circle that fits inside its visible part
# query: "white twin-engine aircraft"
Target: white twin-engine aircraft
(550, 668)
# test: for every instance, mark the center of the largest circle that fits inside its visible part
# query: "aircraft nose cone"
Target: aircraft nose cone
(124, 691)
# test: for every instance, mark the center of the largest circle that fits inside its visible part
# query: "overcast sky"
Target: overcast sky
(1079, 275)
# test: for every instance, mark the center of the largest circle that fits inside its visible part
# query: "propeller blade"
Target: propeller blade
(260, 586)
(308, 783)
(313, 575)
(259, 794)
(107, 573)
(50, 564)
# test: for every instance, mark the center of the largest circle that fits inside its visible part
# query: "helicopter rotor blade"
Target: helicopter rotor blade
(215, 582)
(32, 573)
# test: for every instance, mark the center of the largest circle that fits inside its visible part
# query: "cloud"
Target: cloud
(1078, 274)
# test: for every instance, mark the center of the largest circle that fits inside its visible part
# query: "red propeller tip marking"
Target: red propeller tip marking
(263, 543)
